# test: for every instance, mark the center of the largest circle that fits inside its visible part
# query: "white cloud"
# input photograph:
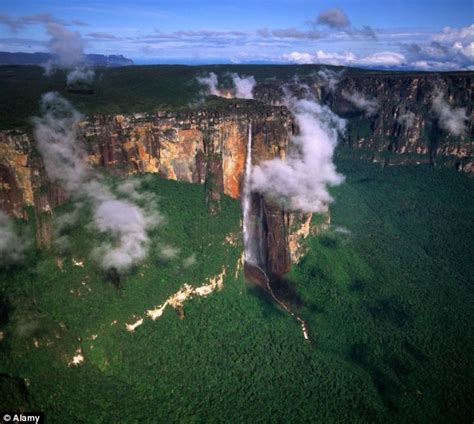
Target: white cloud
(434, 65)
(168, 252)
(453, 120)
(242, 86)
(80, 76)
(12, 243)
(451, 35)
(210, 82)
(189, 261)
(122, 220)
(300, 58)
(367, 105)
(67, 46)
(301, 180)
(330, 78)
(450, 50)
(381, 59)
(407, 119)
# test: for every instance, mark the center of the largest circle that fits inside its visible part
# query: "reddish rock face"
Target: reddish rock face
(16, 190)
(179, 146)
(198, 147)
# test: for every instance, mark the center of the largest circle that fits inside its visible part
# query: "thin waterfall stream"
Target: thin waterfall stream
(246, 201)
(250, 256)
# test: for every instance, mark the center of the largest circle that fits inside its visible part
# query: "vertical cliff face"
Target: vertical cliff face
(16, 188)
(186, 146)
(206, 147)
(398, 96)
(387, 134)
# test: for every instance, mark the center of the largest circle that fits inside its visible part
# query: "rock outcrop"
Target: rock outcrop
(402, 127)
(200, 146)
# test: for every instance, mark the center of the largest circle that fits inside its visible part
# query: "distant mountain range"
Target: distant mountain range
(20, 58)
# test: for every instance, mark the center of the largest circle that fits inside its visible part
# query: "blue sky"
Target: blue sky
(436, 34)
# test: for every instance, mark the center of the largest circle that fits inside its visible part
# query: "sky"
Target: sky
(400, 34)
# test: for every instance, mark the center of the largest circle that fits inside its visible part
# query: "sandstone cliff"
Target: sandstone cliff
(208, 146)
(199, 146)
(384, 135)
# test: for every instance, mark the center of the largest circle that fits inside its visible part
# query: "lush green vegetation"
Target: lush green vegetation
(387, 294)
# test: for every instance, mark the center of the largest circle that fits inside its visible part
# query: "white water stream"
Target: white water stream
(250, 255)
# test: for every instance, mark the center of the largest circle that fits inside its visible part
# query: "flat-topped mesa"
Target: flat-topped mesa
(192, 146)
(196, 146)
(403, 126)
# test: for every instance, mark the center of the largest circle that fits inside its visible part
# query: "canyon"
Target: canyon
(208, 145)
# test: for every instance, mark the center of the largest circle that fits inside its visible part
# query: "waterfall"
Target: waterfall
(246, 202)
(252, 249)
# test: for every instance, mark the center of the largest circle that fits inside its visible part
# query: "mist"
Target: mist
(210, 82)
(330, 78)
(452, 120)
(80, 76)
(121, 217)
(407, 119)
(242, 86)
(12, 243)
(365, 104)
(67, 48)
(301, 180)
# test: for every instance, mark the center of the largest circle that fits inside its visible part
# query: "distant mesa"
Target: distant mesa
(20, 58)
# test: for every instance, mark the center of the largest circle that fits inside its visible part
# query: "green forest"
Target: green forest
(386, 291)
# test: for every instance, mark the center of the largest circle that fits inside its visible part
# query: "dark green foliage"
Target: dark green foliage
(14, 395)
(387, 293)
(132, 88)
(393, 287)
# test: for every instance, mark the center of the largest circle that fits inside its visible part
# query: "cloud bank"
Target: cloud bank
(123, 221)
(289, 33)
(301, 180)
(381, 59)
(401, 48)
(451, 49)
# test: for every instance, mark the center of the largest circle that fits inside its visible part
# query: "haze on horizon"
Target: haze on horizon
(435, 35)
